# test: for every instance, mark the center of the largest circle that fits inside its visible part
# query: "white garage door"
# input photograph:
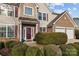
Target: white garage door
(60, 30)
(69, 32)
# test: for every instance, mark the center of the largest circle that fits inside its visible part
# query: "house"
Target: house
(8, 22)
(63, 23)
(22, 21)
(76, 20)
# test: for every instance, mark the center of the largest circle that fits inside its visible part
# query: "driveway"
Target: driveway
(72, 40)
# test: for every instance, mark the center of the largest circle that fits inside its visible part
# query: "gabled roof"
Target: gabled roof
(76, 21)
(56, 18)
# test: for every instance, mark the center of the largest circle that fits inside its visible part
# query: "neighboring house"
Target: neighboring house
(76, 20)
(23, 21)
(63, 23)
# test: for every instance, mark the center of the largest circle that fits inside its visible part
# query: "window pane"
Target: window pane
(11, 31)
(44, 29)
(4, 8)
(3, 12)
(28, 11)
(39, 16)
(10, 13)
(40, 29)
(2, 31)
(44, 16)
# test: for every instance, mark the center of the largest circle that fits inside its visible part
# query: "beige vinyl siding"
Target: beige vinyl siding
(43, 8)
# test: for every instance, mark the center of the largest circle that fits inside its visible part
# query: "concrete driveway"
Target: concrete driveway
(72, 40)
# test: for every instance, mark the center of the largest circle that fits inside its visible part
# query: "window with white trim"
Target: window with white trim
(7, 31)
(39, 15)
(43, 29)
(10, 13)
(11, 31)
(7, 10)
(42, 16)
(2, 31)
(28, 11)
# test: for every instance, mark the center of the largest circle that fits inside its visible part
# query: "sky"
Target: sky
(73, 8)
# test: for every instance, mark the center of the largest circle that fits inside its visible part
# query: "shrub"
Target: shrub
(51, 38)
(19, 50)
(10, 44)
(52, 50)
(33, 51)
(68, 50)
(5, 52)
(76, 45)
(77, 33)
(2, 45)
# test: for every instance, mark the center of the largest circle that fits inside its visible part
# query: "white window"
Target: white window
(10, 13)
(39, 15)
(43, 29)
(42, 16)
(7, 10)
(7, 31)
(2, 31)
(11, 31)
(28, 11)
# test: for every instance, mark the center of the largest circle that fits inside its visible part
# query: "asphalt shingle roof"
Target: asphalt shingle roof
(51, 23)
(76, 21)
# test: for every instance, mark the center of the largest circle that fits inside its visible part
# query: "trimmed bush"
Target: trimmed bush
(19, 50)
(2, 45)
(33, 51)
(68, 50)
(51, 38)
(52, 50)
(77, 33)
(5, 52)
(76, 45)
(10, 44)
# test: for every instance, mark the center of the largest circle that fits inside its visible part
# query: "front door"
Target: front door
(29, 33)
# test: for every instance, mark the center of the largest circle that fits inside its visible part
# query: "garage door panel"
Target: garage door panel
(60, 30)
(70, 33)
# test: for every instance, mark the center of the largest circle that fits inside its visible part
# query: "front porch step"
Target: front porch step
(30, 43)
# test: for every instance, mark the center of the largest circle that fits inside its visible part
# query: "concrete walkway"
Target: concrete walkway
(72, 40)
(32, 43)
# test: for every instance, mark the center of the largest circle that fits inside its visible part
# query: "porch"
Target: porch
(28, 29)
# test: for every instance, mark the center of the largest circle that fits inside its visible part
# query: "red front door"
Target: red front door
(28, 33)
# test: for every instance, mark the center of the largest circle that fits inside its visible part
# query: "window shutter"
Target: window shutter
(16, 11)
(47, 17)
